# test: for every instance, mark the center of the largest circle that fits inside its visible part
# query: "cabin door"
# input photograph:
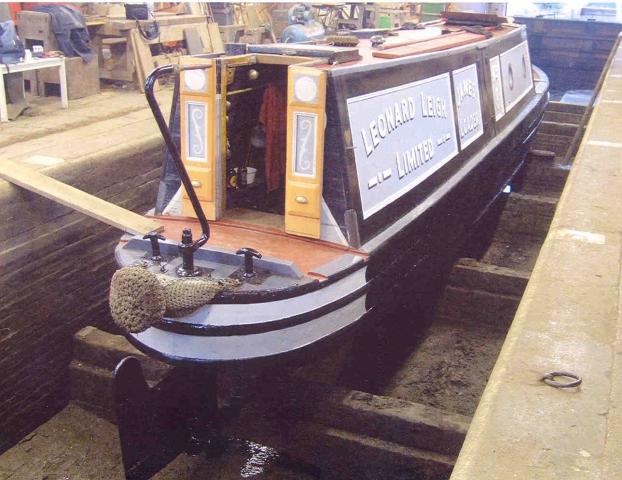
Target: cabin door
(199, 135)
(306, 100)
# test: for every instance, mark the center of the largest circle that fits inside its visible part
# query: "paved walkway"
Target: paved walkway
(111, 123)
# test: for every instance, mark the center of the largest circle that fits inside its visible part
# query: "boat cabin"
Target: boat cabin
(321, 147)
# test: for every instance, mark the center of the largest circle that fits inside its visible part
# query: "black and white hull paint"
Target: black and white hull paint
(391, 165)
(415, 151)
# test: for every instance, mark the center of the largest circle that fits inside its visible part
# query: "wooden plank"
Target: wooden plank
(194, 43)
(210, 36)
(434, 45)
(214, 34)
(71, 197)
(143, 59)
(113, 40)
(140, 73)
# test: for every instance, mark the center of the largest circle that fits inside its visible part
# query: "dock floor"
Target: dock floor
(77, 444)
(111, 118)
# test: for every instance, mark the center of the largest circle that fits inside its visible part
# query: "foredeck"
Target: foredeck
(307, 254)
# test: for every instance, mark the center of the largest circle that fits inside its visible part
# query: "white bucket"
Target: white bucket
(250, 174)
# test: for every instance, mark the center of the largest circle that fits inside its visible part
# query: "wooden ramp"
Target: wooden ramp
(69, 196)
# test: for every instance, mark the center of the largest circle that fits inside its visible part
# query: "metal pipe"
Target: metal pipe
(170, 144)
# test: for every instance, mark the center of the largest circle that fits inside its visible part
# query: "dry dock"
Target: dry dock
(367, 411)
(392, 404)
(569, 319)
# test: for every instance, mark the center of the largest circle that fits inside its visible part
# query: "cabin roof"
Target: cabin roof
(409, 43)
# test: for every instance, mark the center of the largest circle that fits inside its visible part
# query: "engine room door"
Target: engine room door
(306, 106)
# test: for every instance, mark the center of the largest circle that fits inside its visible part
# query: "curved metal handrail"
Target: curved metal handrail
(172, 148)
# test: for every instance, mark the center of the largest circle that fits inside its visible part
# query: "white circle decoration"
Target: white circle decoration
(194, 79)
(305, 89)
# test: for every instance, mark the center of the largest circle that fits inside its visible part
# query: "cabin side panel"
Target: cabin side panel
(448, 100)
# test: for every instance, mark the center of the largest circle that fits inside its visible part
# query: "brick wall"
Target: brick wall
(55, 268)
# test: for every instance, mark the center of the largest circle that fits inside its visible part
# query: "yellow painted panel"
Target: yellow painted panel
(303, 199)
(202, 181)
(303, 192)
(202, 173)
(305, 227)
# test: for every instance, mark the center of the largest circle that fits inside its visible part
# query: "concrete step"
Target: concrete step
(565, 108)
(351, 434)
(526, 215)
(471, 306)
(96, 354)
(104, 350)
(557, 128)
(543, 177)
(91, 388)
(562, 117)
(555, 143)
(343, 455)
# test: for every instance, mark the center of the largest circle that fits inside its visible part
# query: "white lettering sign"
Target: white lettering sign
(468, 105)
(401, 136)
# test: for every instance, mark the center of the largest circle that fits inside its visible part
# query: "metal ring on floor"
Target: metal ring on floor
(549, 379)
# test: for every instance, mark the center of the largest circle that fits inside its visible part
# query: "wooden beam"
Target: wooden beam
(143, 60)
(194, 42)
(71, 197)
(113, 40)
(443, 42)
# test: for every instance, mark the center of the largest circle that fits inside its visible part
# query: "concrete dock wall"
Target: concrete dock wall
(569, 320)
(56, 264)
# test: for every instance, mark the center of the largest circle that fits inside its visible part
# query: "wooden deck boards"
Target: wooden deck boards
(306, 254)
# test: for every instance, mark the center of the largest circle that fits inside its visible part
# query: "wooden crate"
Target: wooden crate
(82, 78)
(34, 29)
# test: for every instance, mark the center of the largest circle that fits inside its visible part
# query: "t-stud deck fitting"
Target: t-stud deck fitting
(153, 237)
(249, 253)
(187, 248)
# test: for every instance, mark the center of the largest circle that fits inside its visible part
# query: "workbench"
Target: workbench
(125, 54)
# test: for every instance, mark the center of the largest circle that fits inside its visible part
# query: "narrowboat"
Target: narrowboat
(310, 185)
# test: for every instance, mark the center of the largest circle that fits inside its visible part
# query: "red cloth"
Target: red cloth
(273, 115)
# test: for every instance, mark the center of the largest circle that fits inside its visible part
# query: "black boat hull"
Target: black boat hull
(406, 263)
